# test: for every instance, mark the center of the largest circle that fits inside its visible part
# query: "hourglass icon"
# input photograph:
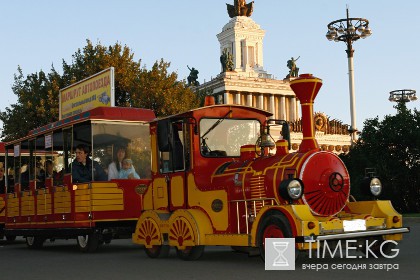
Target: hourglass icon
(280, 260)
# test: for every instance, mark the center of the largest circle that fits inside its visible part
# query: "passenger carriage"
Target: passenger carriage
(95, 212)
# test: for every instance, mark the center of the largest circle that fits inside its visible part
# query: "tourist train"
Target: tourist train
(219, 175)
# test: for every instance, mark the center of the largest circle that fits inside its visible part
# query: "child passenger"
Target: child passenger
(127, 171)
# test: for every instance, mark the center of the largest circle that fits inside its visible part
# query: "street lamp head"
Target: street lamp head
(348, 30)
(366, 32)
(331, 34)
(402, 95)
(351, 28)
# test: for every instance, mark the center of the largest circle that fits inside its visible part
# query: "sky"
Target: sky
(38, 34)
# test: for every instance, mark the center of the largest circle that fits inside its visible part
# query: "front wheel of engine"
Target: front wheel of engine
(273, 226)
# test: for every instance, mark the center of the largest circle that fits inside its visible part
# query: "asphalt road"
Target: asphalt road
(121, 259)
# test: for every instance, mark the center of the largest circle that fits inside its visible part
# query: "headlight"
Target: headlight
(291, 189)
(375, 186)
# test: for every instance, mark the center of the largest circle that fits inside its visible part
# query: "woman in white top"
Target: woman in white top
(115, 166)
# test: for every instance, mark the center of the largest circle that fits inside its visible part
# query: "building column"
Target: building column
(249, 100)
(238, 98)
(272, 105)
(261, 101)
(225, 97)
(282, 115)
(293, 113)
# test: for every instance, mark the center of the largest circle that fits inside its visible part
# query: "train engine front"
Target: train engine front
(305, 195)
(219, 178)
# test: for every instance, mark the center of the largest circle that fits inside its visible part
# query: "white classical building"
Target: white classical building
(251, 85)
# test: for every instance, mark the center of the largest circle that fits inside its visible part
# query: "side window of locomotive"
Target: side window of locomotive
(171, 142)
(225, 138)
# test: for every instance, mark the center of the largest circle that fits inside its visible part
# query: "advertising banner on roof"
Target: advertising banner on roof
(94, 91)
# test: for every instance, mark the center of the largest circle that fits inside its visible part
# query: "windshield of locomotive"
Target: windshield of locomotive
(224, 137)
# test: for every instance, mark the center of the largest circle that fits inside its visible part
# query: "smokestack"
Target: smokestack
(306, 88)
(209, 100)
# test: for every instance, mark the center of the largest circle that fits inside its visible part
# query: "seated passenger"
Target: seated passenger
(49, 172)
(82, 167)
(115, 166)
(127, 171)
(24, 177)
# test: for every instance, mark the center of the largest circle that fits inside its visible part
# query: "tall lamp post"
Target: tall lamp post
(402, 95)
(348, 30)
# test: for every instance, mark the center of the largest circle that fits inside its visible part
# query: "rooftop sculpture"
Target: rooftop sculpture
(240, 8)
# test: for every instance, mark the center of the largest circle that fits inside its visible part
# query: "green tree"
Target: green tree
(135, 86)
(93, 59)
(162, 92)
(392, 148)
(37, 103)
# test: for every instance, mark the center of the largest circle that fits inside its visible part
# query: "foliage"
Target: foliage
(160, 91)
(135, 86)
(37, 103)
(392, 147)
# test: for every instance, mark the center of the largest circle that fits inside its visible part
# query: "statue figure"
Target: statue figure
(223, 60)
(240, 8)
(192, 78)
(229, 62)
(226, 59)
(293, 70)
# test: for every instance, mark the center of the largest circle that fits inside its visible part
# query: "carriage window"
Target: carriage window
(9, 169)
(225, 138)
(55, 167)
(114, 142)
(40, 158)
(67, 149)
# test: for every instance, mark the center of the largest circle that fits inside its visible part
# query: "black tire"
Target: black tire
(10, 238)
(190, 253)
(34, 242)
(88, 243)
(273, 226)
(157, 251)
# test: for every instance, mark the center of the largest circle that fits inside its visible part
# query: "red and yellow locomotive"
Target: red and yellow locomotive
(218, 178)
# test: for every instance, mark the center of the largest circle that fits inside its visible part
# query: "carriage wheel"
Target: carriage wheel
(88, 243)
(190, 253)
(34, 242)
(10, 238)
(273, 226)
